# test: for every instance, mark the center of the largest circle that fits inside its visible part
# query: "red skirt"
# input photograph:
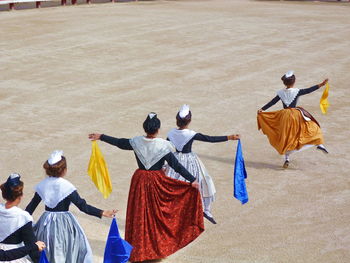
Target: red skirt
(163, 215)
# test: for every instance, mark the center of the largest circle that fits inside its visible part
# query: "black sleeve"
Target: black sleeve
(29, 239)
(207, 138)
(309, 90)
(174, 163)
(17, 253)
(33, 203)
(83, 206)
(271, 103)
(121, 143)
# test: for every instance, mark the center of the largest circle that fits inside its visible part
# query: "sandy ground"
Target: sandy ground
(69, 71)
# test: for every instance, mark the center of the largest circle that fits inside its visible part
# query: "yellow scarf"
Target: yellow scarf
(324, 104)
(98, 171)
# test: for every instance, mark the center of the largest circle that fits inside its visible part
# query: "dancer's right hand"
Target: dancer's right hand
(234, 137)
(94, 136)
(109, 213)
(41, 245)
(195, 185)
(259, 111)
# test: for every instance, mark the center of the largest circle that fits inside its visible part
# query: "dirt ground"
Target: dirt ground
(68, 71)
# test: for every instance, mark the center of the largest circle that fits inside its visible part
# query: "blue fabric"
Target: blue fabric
(239, 176)
(117, 249)
(43, 258)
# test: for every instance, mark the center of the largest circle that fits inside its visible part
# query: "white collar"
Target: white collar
(150, 151)
(53, 190)
(180, 137)
(11, 220)
(288, 95)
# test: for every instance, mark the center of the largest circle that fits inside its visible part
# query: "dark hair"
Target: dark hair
(57, 169)
(182, 122)
(288, 81)
(151, 125)
(11, 192)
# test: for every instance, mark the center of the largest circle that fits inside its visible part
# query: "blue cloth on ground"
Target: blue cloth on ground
(239, 176)
(117, 249)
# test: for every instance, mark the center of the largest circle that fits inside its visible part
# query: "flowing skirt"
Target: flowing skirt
(163, 215)
(12, 246)
(289, 130)
(64, 238)
(195, 166)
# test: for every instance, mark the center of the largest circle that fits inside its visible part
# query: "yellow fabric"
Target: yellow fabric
(98, 171)
(287, 130)
(324, 104)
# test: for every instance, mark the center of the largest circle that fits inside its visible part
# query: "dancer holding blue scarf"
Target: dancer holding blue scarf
(183, 139)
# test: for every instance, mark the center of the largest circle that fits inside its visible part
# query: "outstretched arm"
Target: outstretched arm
(313, 88)
(213, 139)
(121, 143)
(89, 209)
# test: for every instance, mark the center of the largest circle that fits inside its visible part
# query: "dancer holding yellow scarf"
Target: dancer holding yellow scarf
(293, 128)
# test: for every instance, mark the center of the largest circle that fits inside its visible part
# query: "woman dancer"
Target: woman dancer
(293, 128)
(183, 139)
(16, 224)
(57, 227)
(163, 214)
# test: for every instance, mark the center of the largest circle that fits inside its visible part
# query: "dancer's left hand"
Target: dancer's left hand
(94, 136)
(323, 83)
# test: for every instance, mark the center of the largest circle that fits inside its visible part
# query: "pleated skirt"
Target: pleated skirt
(287, 129)
(163, 215)
(65, 240)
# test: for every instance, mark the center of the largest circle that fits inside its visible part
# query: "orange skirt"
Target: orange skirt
(163, 215)
(287, 130)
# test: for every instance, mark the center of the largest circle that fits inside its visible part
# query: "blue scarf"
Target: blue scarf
(239, 176)
(117, 249)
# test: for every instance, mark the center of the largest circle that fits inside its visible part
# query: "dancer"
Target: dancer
(16, 224)
(183, 138)
(293, 128)
(163, 214)
(57, 227)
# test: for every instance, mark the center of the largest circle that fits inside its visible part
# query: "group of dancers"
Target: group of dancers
(170, 192)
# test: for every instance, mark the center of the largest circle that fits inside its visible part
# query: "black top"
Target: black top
(201, 137)
(24, 234)
(64, 205)
(16, 253)
(124, 144)
(294, 102)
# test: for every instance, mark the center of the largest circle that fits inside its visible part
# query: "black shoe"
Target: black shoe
(324, 150)
(286, 164)
(211, 219)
